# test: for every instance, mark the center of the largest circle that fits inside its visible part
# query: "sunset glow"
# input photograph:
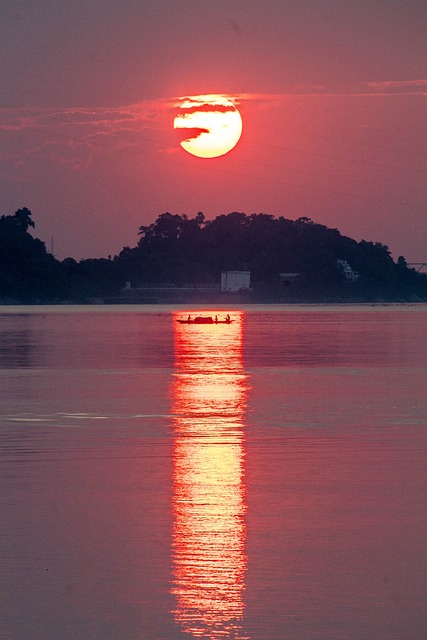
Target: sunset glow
(208, 125)
(209, 395)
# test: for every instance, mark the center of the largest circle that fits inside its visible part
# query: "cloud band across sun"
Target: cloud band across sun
(206, 108)
(33, 138)
(186, 134)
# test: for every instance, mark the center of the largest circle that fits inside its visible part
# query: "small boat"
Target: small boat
(204, 320)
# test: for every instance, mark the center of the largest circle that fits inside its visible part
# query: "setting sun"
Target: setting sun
(208, 125)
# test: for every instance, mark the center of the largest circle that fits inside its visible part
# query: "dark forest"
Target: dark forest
(183, 251)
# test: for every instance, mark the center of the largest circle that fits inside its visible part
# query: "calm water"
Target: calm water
(259, 481)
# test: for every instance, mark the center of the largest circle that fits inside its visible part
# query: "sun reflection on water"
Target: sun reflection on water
(209, 562)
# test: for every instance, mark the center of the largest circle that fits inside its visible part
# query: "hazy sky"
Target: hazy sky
(332, 95)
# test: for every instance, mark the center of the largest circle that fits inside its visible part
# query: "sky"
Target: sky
(332, 95)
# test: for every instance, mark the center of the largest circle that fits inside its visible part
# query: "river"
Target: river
(264, 480)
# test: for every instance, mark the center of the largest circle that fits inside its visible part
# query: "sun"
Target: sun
(208, 126)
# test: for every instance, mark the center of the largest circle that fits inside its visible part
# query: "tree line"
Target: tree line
(181, 250)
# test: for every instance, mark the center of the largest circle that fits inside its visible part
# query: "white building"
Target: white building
(235, 280)
(348, 272)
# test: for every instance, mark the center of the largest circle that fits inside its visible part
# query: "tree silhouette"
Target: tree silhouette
(23, 219)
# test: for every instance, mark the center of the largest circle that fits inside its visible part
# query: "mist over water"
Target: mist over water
(262, 480)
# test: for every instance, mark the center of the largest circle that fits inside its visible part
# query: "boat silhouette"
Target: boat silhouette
(204, 320)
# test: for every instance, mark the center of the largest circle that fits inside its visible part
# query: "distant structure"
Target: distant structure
(349, 274)
(418, 266)
(235, 280)
(287, 278)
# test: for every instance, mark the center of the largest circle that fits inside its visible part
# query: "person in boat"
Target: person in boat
(189, 319)
(216, 319)
(227, 319)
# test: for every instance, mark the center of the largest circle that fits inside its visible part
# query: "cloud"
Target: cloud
(374, 89)
(185, 134)
(35, 139)
(206, 108)
(135, 116)
(397, 84)
(73, 136)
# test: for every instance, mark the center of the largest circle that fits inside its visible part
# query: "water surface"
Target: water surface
(263, 480)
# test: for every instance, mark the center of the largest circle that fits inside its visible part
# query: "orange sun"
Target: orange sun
(208, 126)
